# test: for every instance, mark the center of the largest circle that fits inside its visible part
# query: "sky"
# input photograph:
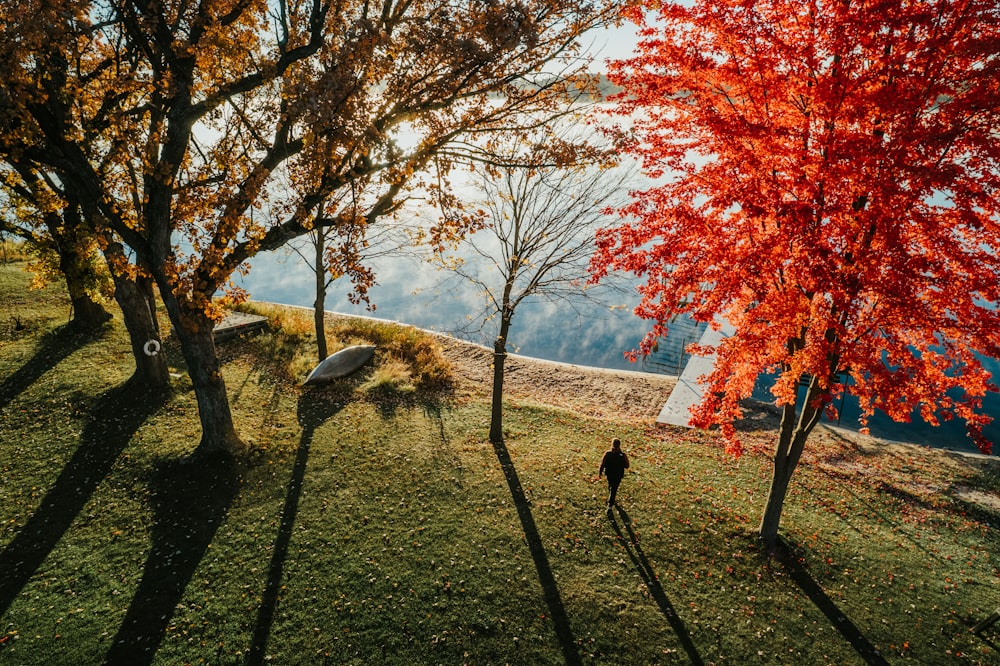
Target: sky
(611, 43)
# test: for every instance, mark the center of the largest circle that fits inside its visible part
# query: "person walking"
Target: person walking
(613, 464)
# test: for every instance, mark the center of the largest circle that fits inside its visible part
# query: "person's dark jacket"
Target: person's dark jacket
(614, 464)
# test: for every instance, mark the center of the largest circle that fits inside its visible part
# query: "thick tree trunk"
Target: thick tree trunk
(137, 301)
(77, 270)
(194, 331)
(72, 242)
(791, 442)
(138, 305)
(218, 433)
(88, 314)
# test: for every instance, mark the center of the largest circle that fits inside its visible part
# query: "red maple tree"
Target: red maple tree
(826, 180)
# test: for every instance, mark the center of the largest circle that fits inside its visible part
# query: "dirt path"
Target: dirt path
(590, 391)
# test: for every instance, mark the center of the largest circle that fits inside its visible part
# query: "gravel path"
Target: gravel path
(590, 391)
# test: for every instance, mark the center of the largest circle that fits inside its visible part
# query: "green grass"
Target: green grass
(375, 526)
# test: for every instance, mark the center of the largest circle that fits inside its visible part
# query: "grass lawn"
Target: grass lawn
(382, 527)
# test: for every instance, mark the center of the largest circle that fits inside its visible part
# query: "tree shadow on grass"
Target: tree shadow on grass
(953, 493)
(990, 624)
(113, 420)
(549, 588)
(54, 348)
(884, 516)
(315, 407)
(784, 553)
(652, 582)
(984, 639)
(190, 499)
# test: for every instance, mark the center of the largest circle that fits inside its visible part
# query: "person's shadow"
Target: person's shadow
(315, 407)
(190, 499)
(115, 417)
(652, 582)
(550, 589)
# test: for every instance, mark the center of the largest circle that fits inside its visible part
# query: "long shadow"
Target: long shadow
(634, 550)
(190, 498)
(987, 624)
(55, 347)
(314, 409)
(113, 420)
(996, 648)
(868, 652)
(549, 588)
(878, 510)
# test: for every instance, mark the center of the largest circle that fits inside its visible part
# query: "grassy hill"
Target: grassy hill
(374, 523)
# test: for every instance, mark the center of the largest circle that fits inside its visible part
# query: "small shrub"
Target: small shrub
(391, 377)
(433, 369)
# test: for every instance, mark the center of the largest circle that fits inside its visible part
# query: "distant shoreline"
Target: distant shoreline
(451, 336)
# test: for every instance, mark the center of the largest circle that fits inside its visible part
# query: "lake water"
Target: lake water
(414, 292)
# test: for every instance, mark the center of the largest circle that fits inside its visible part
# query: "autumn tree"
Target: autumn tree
(64, 244)
(90, 261)
(829, 175)
(227, 123)
(533, 234)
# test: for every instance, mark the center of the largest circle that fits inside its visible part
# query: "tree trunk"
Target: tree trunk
(194, 331)
(72, 242)
(138, 306)
(137, 302)
(496, 414)
(791, 442)
(319, 318)
(88, 314)
(499, 358)
(218, 433)
(319, 305)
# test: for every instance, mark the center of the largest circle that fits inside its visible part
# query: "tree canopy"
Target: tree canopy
(203, 133)
(534, 234)
(828, 177)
